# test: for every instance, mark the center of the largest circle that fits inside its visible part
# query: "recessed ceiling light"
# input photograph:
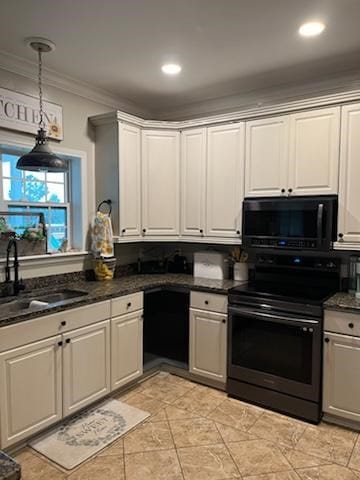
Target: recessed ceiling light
(311, 29)
(171, 69)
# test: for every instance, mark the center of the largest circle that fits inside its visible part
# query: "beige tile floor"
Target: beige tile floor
(197, 433)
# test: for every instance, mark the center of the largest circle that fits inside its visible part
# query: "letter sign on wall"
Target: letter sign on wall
(21, 112)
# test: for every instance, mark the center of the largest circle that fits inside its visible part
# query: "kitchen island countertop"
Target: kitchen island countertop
(9, 469)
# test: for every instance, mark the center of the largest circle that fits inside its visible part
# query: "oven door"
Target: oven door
(278, 351)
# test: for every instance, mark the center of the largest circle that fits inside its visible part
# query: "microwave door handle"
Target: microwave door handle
(320, 215)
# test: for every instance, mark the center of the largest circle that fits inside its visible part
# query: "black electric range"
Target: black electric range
(275, 333)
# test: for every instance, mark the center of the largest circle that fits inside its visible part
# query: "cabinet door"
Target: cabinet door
(341, 394)
(130, 180)
(314, 152)
(349, 194)
(225, 180)
(30, 389)
(126, 348)
(266, 156)
(208, 344)
(193, 164)
(86, 364)
(161, 182)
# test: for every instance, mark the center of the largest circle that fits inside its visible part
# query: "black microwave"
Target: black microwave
(296, 223)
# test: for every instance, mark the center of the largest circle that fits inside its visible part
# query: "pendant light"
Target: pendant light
(41, 158)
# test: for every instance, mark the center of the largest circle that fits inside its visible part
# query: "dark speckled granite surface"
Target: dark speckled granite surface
(9, 469)
(98, 291)
(343, 301)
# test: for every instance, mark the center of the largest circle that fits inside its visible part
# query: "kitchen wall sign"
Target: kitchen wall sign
(21, 112)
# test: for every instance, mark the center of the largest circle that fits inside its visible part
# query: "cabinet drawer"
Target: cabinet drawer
(127, 304)
(342, 322)
(49, 325)
(212, 302)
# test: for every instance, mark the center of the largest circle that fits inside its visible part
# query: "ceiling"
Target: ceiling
(227, 48)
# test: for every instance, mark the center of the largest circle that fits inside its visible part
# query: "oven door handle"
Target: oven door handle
(271, 317)
(320, 215)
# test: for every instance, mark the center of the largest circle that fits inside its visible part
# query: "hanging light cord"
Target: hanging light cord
(41, 123)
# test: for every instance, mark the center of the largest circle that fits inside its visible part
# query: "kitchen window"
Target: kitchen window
(35, 192)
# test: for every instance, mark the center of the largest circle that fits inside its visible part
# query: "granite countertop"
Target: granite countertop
(9, 469)
(343, 301)
(99, 291)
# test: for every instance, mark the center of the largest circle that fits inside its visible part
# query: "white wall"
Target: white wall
(78, 135)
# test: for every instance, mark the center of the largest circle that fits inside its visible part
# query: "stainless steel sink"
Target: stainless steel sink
(59, 296)
(15, 306)
(11, 305)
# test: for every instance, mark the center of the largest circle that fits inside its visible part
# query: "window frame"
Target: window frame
(27, 205)
(77, 189)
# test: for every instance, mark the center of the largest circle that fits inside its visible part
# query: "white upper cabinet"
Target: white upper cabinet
(349, 194)
(193, 170)
(118, 175)
(160, 182)
(225, 180)
(266, 163)
(130, 180)
(294, 154)
(314, 152)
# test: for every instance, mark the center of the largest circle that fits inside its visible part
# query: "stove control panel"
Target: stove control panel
(298, 261)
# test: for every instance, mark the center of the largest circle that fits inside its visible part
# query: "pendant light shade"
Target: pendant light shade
(41, 158)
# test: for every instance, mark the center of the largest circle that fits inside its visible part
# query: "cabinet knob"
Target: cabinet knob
(341, 235)
(123, 230)
(237, 232)
(283, 190)
(144, 230)
(351, 325)
(201, 230)
(128, 305)
(206, 302)
(68, 340)
(290, 190)
(327, 340)
(63, 323)
(60, 344)
(223, 320)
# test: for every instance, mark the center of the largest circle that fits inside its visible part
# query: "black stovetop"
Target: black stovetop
(284, 291)
(289, 281)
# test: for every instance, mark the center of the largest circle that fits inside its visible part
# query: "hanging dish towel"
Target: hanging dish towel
(102, 236)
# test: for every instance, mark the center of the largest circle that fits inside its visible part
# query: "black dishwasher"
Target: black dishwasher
(166, 327)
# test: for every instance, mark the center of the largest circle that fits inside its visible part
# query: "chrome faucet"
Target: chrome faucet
(17, 285)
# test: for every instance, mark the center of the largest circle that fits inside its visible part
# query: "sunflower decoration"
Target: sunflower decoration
(54, 130)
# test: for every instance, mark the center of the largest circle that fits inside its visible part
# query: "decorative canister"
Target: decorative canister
(241, 271)
(104, 268)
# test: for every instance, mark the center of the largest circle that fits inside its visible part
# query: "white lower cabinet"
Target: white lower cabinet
(341, 392)
(30, 389)
(86, 366)
(208, 344)
(126, 348)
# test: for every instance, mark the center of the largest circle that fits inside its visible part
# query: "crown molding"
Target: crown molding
(28, 69)
(284, 93)
(245, 114)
